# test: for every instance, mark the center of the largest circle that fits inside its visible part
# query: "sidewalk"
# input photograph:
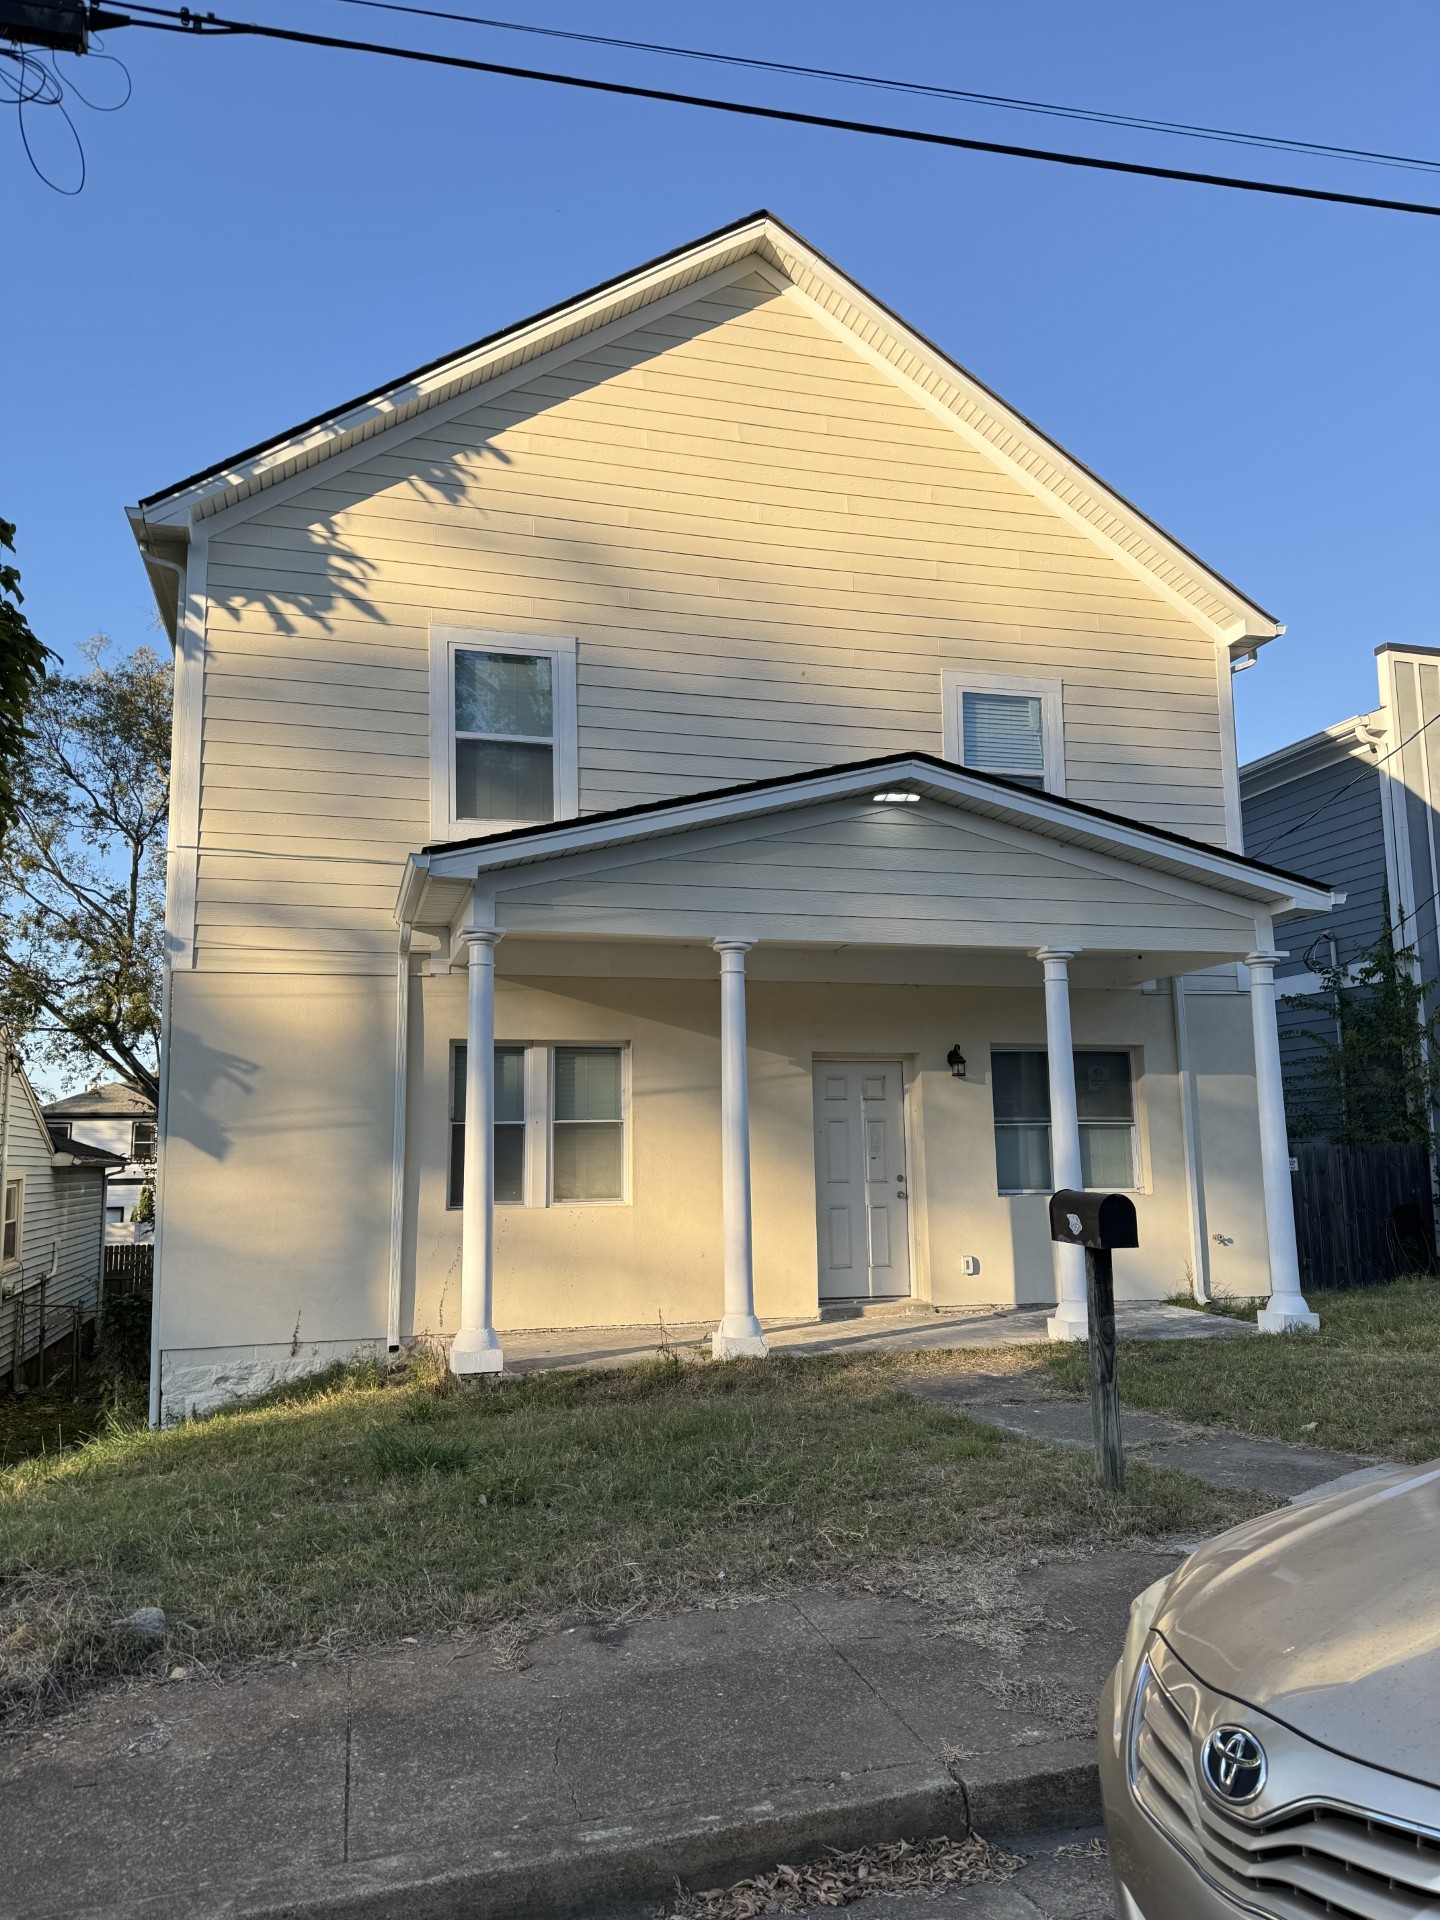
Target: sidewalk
(434, 1781)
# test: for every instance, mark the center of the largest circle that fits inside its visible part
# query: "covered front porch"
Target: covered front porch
(927, 995)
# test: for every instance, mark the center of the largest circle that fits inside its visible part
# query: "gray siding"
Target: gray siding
(62, 1227)
(1342, 845)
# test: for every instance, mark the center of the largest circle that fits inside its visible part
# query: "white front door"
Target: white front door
(860, 1185)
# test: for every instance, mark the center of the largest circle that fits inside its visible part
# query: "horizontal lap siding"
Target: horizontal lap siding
(1329, 826)
(885, 874)
(62, 1227)
(769, 555)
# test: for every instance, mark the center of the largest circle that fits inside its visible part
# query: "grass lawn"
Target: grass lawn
(356, 1511)
(64, 1413)
(1368, 1382)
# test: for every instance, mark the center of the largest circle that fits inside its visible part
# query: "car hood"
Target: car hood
(1326, 1616)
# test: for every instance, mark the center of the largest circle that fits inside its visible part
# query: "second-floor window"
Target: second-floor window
(1007, 724)
(144, 1141)
(502, 728)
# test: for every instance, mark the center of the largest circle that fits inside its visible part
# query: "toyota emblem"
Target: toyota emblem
(1233, 1762)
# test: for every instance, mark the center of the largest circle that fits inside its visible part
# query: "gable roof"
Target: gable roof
(161, 520)
(113, 1101)
(1050, 815)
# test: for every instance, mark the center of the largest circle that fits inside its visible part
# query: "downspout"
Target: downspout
(1190, 1131)
(397, 1167)
(162, 1107)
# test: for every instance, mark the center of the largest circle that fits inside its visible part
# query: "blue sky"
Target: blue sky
(268, 230)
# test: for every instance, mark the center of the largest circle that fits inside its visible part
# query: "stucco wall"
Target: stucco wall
(277, 1229)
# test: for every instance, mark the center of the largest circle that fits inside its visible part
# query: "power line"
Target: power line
(209, 24)
(1092, 115)
(1339, 794)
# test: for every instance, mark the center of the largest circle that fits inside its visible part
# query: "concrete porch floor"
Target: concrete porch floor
(911, 1327)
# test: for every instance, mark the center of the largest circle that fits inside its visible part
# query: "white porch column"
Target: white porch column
(1287, 1306)
(739, 1332)
(476, 1347)
(1070, 1320)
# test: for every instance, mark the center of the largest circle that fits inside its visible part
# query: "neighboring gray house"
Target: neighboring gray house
(113, 1116)
(1359, 804)
(53, 1225)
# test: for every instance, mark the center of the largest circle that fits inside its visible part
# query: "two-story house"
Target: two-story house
(119, 1118)
(693, 806)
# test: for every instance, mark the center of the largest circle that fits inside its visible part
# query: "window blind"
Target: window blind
(1003, 733)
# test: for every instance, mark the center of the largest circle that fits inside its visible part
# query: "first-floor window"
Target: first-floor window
(1105, 1101)
(509, 1126)
(14, 1207)
(564, 1104)
(588, 1128)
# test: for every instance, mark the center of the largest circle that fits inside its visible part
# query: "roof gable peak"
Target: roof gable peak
(947, 390)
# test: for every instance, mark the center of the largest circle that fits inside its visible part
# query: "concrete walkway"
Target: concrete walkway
(1212, 1454)
(912, 1328)
(590, 1774)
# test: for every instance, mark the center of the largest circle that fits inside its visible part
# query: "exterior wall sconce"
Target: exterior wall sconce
(955, 1060)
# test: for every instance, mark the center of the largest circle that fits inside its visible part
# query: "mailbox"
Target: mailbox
(1098, 1221)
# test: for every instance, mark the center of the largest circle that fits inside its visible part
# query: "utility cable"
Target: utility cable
(207, 25)
(1340, 792)
(1095, 116)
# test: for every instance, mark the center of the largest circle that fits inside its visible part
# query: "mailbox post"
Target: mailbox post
(1099, 1222)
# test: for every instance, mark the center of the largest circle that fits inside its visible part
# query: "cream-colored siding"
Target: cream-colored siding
(876, 874)
(768, 552)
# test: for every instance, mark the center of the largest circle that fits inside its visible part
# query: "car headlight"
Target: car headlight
(1144, 1609)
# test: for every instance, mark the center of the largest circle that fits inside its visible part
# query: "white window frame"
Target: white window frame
(955, 682)
(17, 1181)
(1137, 1163)
(445, 643)
(539, 1120)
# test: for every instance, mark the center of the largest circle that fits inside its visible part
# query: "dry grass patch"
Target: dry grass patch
(353, 1512)
(1367, 1382)
(905, 1866)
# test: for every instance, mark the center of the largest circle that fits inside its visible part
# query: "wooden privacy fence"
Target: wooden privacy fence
(1363, 1215)
(128, 1270)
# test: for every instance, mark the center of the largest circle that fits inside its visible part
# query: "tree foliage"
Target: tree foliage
(22, 672)
(82, 885)
(1370, 1075)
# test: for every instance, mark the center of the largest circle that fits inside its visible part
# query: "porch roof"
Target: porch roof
(435, 886)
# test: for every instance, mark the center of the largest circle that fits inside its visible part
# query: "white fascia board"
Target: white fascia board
(982, 419)
(354, 449)
(577, 327)
(1036, 811)
(992, 429)
(1361, 737)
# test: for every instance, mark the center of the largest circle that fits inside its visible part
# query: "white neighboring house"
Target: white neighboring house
(116, 1118)
(54, 1224)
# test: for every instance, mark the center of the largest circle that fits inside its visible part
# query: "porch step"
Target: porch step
(868, 1309)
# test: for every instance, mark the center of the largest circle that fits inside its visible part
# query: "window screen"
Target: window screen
(1004, 733)
(1105, 1101)
(504, 737)
(509, 1126)
(588, 1128)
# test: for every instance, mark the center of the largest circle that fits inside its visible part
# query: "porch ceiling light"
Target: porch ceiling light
(956, 1062)
(897, 799)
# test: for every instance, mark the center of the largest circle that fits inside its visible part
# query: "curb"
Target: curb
(593, 1871)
